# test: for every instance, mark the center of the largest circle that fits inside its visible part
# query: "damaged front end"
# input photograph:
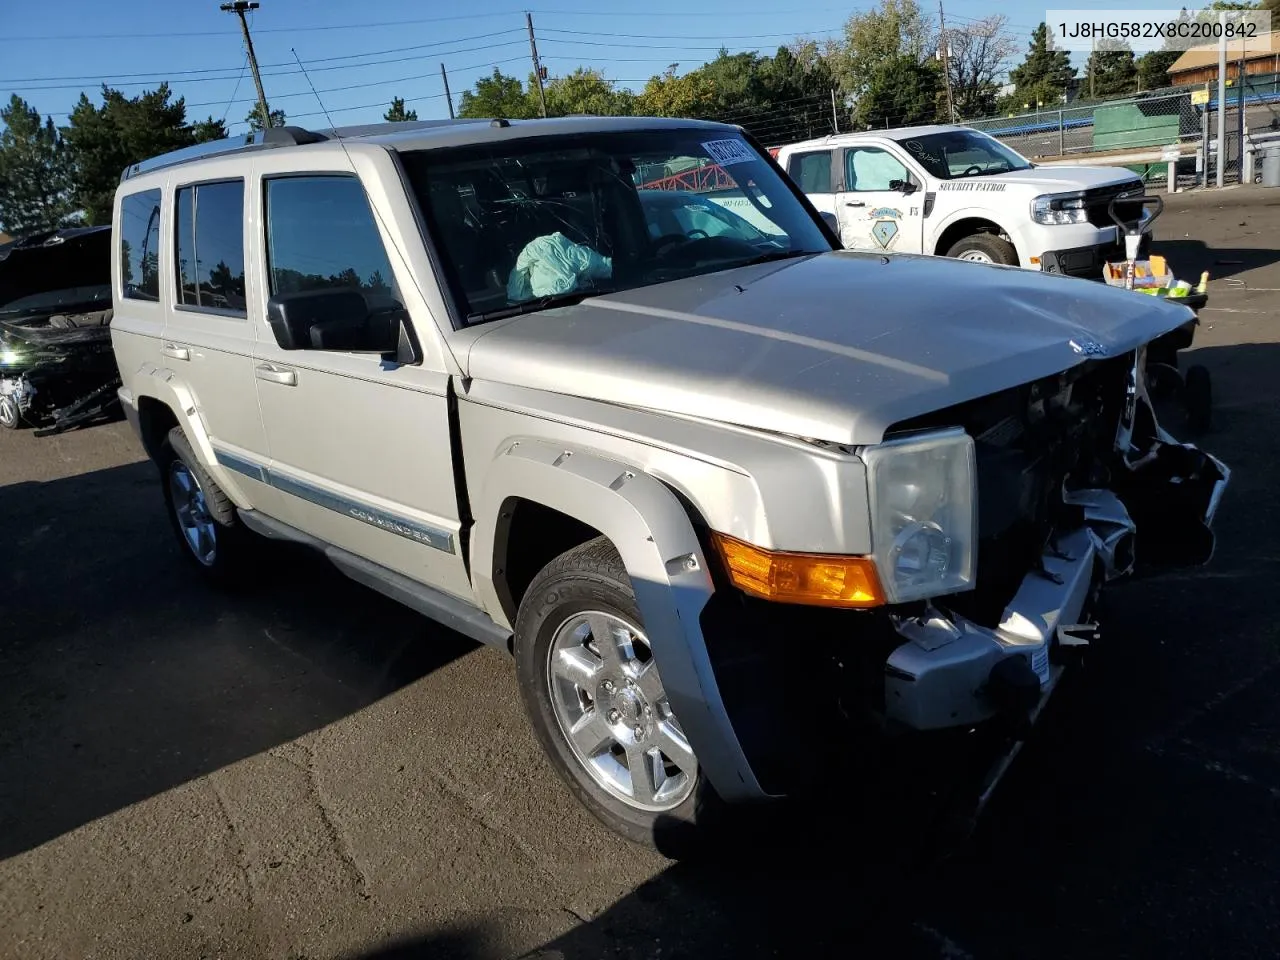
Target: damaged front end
(1078, 485)
(57, 367)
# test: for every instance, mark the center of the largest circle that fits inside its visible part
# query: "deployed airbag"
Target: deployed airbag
(554, 264)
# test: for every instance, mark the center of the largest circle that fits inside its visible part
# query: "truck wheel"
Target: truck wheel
(984, 248)
(10, 415)
(202, 516)
(597, 705)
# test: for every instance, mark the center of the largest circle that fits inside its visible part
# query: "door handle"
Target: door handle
(273, 374)
(854, 203)
(176, 352)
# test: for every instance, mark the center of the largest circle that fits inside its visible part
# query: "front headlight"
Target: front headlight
(924, 514)
(1059, 208)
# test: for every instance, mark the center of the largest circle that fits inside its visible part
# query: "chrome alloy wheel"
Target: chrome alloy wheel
(9, 415)
(198, 527)
(614, 713)
(975, 256)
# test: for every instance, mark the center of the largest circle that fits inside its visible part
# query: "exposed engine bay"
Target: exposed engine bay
(1057, 453)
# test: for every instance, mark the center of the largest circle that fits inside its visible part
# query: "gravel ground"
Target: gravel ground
(308, 770)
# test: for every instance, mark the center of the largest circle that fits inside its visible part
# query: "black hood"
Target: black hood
(77, 258)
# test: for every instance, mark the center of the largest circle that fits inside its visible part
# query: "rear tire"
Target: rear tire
(203, 518)
(606, 686)
(984, 248)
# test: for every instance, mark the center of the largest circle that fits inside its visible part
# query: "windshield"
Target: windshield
(963, 153)
(523, 225)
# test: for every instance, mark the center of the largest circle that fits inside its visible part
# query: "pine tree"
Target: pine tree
(397, 113)
(1111, 70)
(1045, 74)
(35, 172)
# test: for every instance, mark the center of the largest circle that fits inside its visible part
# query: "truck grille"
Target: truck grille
(1098, 199)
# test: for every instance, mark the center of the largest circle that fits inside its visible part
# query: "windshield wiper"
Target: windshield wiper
(541, 303)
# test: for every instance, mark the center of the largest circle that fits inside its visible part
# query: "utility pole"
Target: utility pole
(1222, 100)
(1240, 78)
(835, 117)
(537, 65)
(447, 95)
(238, 7)
(1092, 68)
(946, 60)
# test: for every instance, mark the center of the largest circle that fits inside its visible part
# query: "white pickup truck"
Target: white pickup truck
(957, 192)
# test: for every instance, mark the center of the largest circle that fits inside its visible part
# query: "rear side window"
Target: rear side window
(140, 245)
(811, 171)
(210, 235)
(321, 233)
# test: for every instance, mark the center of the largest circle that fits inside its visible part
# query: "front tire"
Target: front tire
(984, 248)
(593, 695)
(10, 415)
(202, 516)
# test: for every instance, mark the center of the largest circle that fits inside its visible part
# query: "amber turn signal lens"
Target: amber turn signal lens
(810, 578)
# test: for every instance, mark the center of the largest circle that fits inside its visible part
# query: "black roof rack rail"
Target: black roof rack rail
(261, 140)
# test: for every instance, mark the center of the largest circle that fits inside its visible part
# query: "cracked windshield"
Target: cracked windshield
(522, 227)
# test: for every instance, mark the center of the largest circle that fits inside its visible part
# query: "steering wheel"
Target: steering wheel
(672, 240)
(972, 171)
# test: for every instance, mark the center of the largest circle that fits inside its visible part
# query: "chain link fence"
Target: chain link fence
(1186, 116)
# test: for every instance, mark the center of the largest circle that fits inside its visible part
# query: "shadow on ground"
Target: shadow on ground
(124, 674)
(1142, 820)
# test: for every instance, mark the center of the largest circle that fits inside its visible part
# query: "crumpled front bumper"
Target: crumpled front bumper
(950, 672)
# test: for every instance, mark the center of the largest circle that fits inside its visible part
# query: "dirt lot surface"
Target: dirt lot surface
(308, 770)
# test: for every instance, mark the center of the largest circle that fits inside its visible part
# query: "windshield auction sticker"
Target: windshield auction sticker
(1144, 31)
(726, 152)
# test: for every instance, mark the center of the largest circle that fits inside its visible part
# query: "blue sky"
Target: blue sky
(377, 49)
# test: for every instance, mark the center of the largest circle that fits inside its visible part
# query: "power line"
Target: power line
(226, 110)
(674, 36)
(285, 73)
(162, 74)
(297, 29)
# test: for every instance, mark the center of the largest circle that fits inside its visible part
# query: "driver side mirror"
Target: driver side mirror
(905, 187)
(339, 319)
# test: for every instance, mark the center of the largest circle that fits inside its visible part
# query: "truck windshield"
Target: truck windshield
(530, 224)
(963, 153)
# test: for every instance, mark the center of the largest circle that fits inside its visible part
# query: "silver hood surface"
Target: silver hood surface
(837, 346)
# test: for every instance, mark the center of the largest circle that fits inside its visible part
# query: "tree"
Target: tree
(254, 119)
(104, 140)
(202, 131)
(976, 55)
(1110, 70)
(669, 95)
(796, 95)
(586, 91)
(897, 29)
(901, 91)
(35, 172)
(1044, 76)
(396, 113)
(497, 95)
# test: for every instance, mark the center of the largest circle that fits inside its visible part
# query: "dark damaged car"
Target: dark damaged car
(57, 369)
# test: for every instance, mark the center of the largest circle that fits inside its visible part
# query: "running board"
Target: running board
(446, 610)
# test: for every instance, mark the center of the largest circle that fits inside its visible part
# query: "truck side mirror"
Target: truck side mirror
(905, 187)
(339, 319)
